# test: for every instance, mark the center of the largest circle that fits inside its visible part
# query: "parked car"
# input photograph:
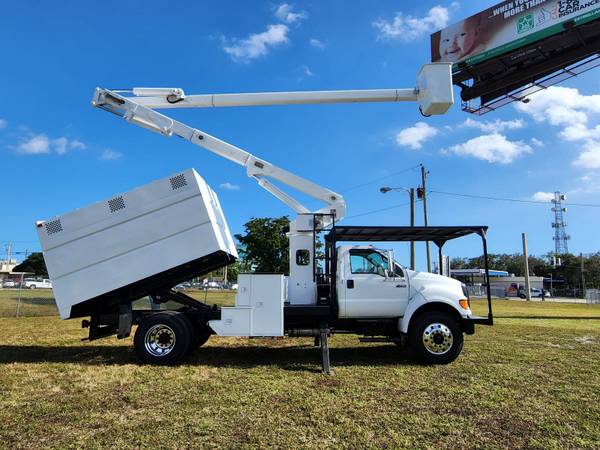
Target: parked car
(37, 284)
(535, 292)
(9, 284)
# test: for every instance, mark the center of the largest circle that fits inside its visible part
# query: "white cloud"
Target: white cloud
(77, 145)
(3, 123)
(494, 148)
(496, 126)
(306, 70)
(559, 105)
(408, 28)
(35, 145)
(569, 109)
(543, 196)
(257, 45)
(60, 145)
(317, 43)
(536, 142)
(229, 186)
(579, 131)
(414, 137)
(285, 13)
(589, 158)
(110, 155)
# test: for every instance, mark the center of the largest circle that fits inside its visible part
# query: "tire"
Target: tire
(32, 286)
(163, 338)
(199, 337)
(436, 338)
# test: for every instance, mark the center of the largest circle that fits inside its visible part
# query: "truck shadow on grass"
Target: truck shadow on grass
(292, 358)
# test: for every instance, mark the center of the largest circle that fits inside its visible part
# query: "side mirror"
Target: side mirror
(390, 260)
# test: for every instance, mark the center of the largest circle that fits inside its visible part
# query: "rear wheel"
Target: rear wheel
(200, 336)
(436, 338)
(163, 338)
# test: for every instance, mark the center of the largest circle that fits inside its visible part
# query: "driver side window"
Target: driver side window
(367, 261)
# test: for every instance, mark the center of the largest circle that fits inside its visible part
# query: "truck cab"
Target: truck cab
(372, 284)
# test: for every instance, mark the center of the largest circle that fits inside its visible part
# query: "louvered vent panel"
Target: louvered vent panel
(116, 204)
(178, 181)
(54, 226)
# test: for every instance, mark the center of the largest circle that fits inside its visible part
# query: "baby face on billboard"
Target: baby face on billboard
(458, 41)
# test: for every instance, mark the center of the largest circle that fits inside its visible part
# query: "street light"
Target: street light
(411, 193)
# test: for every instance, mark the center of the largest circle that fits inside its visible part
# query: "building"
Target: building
(502, 283)
(6, 267)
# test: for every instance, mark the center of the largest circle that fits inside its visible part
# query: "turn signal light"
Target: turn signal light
(464, 303)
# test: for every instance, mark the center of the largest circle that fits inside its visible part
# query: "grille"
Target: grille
(178, 181)
(54, 226)
(116, 204)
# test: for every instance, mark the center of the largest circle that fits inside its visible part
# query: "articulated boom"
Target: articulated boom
(434, 93)
(257, 168)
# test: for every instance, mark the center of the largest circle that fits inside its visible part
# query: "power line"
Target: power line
(315, 203)
(377, 210)
(514, 200)
(375, 180)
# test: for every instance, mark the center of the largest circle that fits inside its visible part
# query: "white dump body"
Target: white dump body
(131, 237)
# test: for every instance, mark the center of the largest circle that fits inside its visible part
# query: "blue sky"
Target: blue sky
(58, 153)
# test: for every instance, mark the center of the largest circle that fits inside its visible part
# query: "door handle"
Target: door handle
(350, 284)
(400, 285)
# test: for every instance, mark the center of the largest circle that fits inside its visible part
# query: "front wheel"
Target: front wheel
(436, 338)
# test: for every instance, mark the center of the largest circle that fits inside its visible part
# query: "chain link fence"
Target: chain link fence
(592, 296)
(27, 303)
(40, 302)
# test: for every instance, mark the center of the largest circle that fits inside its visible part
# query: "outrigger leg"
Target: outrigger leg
(324, 333)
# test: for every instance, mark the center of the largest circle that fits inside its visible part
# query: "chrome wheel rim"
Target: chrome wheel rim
(437, 338)
(159, 340)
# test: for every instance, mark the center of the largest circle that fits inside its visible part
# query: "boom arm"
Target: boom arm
(433, 92)
(256, 168)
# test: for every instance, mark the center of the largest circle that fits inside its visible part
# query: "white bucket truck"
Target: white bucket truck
(144, 242)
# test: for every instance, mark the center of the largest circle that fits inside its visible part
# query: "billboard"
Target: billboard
(507, 26)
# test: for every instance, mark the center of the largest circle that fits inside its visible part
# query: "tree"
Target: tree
(35, 264)
(233, 271)
(264, 245)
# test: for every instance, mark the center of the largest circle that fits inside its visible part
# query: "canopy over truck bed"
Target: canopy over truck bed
(135, 243)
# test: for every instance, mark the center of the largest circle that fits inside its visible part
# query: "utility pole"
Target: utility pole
(412, 224)
(411, 193)
(8, 252)
(424, 194)
(582, 276)
(526, 262)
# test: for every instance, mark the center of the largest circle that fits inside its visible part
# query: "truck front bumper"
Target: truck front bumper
(468, 323)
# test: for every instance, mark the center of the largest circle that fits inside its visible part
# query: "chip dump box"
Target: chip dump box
(127, 247)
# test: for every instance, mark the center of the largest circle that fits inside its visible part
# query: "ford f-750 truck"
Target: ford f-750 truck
(142, 243)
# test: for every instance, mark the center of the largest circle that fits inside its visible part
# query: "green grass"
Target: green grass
(522, 383)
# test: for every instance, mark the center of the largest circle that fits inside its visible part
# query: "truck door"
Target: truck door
(368, 293)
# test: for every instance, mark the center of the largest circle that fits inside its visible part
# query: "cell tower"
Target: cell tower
(561, 237)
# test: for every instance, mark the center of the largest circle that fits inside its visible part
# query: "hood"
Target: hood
(419, 280)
